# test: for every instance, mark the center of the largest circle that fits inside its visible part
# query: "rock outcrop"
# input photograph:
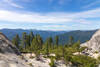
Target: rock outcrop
(9, 54)
(93, 45)
(6, 45)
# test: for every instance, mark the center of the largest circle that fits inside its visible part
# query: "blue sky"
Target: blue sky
(50, 14)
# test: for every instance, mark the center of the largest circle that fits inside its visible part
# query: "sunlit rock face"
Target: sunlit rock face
(94, 43)
(93, 46)
(9, 54)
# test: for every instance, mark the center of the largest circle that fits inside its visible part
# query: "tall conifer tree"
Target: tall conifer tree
(31, 36)
(57, 40)
(24, 36)
(16, 40)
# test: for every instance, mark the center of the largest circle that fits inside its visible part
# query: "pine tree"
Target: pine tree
(31, 37)
(16, 40)
(71, 40)
(23, 42)
(50, 42)
(28, 41)
(57, 40)
(47, 47)
(76, 45)
(40, 41)
(63, 51)
(35, 47)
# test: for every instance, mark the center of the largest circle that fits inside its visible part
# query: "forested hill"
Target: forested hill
(83, 36)
(10, 33)
(63, 35)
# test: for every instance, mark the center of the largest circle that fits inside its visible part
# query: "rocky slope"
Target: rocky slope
(9, 54)
(43, 62)
(93, 45)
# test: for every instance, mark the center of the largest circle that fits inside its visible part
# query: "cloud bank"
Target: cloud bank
(60, 17)
(49, 20)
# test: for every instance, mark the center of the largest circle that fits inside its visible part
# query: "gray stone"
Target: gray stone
(93, 45)
(9, 54)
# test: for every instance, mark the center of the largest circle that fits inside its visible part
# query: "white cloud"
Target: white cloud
(86, 14)
(80, 17)
(11, 3)
(32, 18)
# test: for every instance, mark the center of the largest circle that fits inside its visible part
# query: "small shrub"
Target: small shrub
(52, 64)
(45, 56)
(58, 57)
(30, 64)
(96, 52)
(31, 57)
(83, 61)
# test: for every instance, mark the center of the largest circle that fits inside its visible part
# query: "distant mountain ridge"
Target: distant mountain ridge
(83, 36)
(10, 33)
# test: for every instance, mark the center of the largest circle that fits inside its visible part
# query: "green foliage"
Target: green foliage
(57, 40)
(52, 64)
(82, 48)
(76, 46)
(58, 56)
(34, 43)
(28, 41)
(31, 36)
(46, 47)
(39, 41)
(16, 41)
(50, 42)
(30, 64)
(23, 42)
(67, 58)
(96, 52)
(71, 40)
(98, 60)
(83, 61)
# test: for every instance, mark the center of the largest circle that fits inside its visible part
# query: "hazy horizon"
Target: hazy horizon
(47, 30)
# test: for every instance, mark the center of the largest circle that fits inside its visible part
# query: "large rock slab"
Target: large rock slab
(10, 56)
(94, 43)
